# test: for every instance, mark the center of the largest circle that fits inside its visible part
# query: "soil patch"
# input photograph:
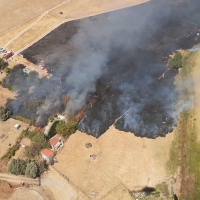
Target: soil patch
(5, 190)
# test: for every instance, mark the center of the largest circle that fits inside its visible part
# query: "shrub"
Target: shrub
(10, 87)
(7, 70)
(5, 113)
(3, 64)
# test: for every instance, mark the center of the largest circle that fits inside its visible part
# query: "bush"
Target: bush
(5, 113)
(17, 166)
(3, 64)
(176, 61)
(7, 70)
(10, 87)
(32, 170)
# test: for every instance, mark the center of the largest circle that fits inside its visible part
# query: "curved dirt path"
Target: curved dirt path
(13, 178)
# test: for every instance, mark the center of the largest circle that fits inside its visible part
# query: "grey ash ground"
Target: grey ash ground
(110, 64)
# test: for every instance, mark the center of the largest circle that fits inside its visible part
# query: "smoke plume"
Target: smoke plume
(113, 61)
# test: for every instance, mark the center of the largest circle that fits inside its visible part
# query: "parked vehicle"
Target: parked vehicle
(8, 55)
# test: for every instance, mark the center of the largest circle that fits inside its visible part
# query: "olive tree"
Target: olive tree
(17, 166)
(32, 170)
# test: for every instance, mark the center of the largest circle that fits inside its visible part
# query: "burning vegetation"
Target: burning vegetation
(107, 70)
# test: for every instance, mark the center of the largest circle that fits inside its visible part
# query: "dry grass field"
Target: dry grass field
(123, 161)
(8, 134)
(195, 76)
(5, 94)
(15, 13)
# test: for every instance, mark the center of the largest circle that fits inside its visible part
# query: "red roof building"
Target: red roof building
(56, 142)
(47, 155)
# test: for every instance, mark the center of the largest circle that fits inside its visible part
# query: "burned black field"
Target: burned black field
(109, 65)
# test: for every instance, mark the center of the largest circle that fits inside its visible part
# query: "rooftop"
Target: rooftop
(54, 140)
(47, 152)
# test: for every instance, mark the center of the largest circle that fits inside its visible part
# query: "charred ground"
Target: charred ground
(129, 49)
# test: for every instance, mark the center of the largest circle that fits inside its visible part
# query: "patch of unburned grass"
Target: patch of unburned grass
(172, 164)
(163, 188)
(185, 149)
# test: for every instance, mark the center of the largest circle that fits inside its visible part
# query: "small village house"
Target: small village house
(47, 155)
(56, 142)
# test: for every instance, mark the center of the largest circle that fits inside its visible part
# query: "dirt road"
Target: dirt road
(17, 179)
(52, 186)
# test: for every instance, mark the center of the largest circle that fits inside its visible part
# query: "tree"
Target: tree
(42, 167)
(66, 129)
(31, 170)
(17, 166)
(3, 64)
(32, 150)
(40, 140)
(176, 61)
(4, 113)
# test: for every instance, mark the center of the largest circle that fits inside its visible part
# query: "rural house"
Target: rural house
(56, 142)
(47, 155)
